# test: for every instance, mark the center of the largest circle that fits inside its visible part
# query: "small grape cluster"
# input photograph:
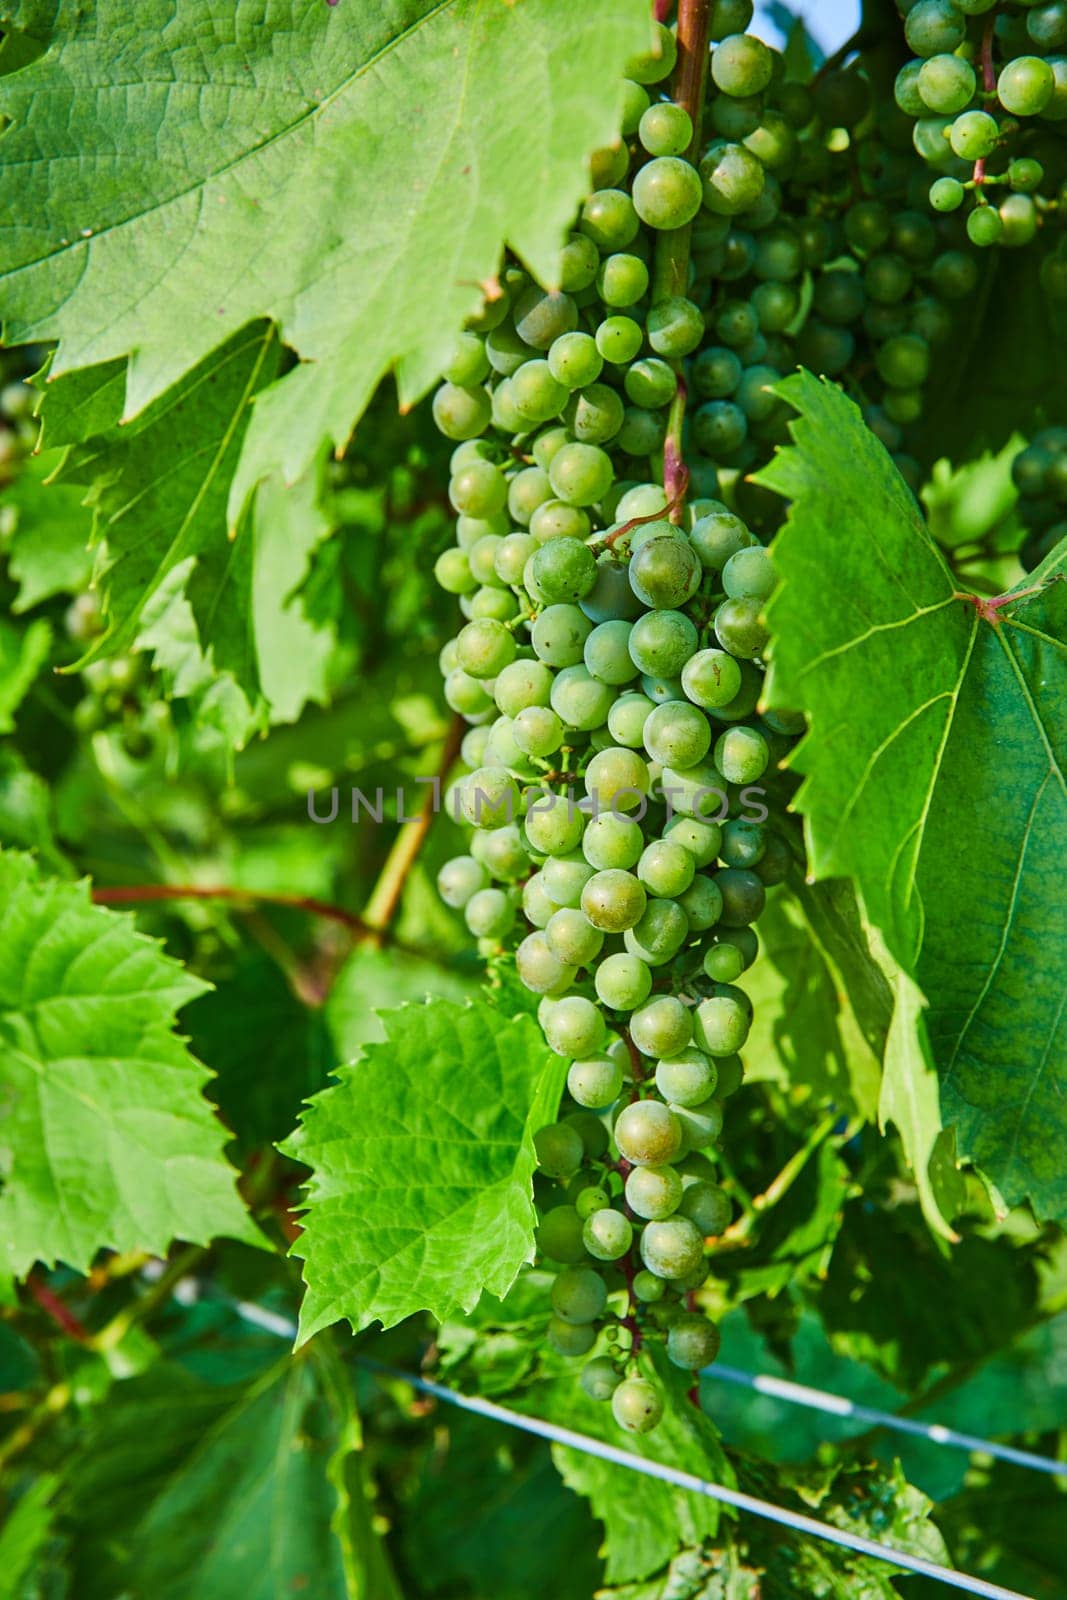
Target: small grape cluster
(610, 670)
(986, 82)
(1040, 475)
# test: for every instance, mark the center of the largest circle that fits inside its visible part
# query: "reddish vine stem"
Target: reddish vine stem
(138, 893)
(654, 516)
(989, 84)
(57, 1309)
(671, 277)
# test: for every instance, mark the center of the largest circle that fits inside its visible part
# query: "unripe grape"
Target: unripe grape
(559, 1235)
(459, 879)
(662, 1027)
(575, 1027)
(571, 1339)
(600, 1379)
(607, 1234)
(686, 1078)
(671, 1248)
(596, 1083)
(637, 1405)
(653, 1192)
(613, 900)
(647, 1133)
(623, 981)
(667, 192)
(700, 1125)
(693, 1342)
(706, 1205)
(579, 1295)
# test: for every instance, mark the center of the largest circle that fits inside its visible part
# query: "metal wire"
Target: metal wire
(271, 1322)
(836, 1405)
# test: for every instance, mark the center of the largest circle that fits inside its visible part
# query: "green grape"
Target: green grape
(743, 897)
(973, 135)
(743, 843)
(502, 852)
(742, 754)
(721, 1025)
(540, 970)
(537, 908)
(581, 474)
(1047, 25)
(706, 1205)
(904, 361)
(637, 1406)
(947, 84)
(946, 194)
(662, 1026)
(596, 1083)
(665, 129)
(651, 382)
(608, 218)
(647, 1133)
(452, 570)
(635, 102)
(741, 65)
(693, 1342)
(642, 432)
(984, 226)
(511, 556)
(661, 642)
(700, 1125)
(523, 683)
(563, 569)
(702, 904)
(590, 1199)
(459, 879)
(667, 194)
(608, 166)
(553, 825)
(574, 1027)
(541, 315)
(686, 1077)
(716, 536)
(564, 878)
(466, 694)
(740, 629)
(617, 779)
(729, 16)
(613, 900)
(660, 933)
(558, 636)
(653, 1193)
(490, 798)
(675, 326)
(607, 1234)
(581, 701)
(622, 279)
(595, 414)
(559, 1235)
(656, 64)
(665, 572)
(618, 339)
(579, 1294)
(1018, 216)
(599, 1378)
(572, 938)
(569, 1339)
(934, 26)
(559, 1151)
(485, 648)
(1024, 87)
(720, 428)
(673, 1247)
(627, 718)
(776, 305)
(733, 178)
(612, 842)
(954, 276)
(701, 839)
(592, 1131)
(574, 360)
(666, 869)
(716, 373)
(607, 653)
(461, 413)
(579, 261)
(711, 678)
(1025, 174)
(478, 489)
(537, 731)
(906, 89)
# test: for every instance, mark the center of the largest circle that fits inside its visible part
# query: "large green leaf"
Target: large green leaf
(23, 652)
(934, 778)
(350, 172)
(185, 1489)
(106, 1139)
(422, 1160)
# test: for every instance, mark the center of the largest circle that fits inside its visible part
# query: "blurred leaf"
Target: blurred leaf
(184, 1490)
(420, 1195)
(794, 1239)
(48, 541)
(374, 981)
(23, 652)
(23, 1535)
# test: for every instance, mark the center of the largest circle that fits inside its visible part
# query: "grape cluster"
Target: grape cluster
(610, 671)
(984, 85)
(1040, 475)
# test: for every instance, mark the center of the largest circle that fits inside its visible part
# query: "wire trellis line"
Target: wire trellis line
(272, 1322)
(836, 1405)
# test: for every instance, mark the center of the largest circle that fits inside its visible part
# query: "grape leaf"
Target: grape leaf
(242, 1492)
(159, 490)
(933, 776)
(645, 1520)
(351, 173)
(23, 652)
(48, 544)
(106, 1138)
(422, 1160)
(23, 1535)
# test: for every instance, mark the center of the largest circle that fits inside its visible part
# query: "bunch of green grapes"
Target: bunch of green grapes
(1040, 475)
(987, 87)
(610, 671)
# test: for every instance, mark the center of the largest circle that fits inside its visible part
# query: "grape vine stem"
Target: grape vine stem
(671, 267)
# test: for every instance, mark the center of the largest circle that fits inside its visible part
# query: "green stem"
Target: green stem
(739, 1233)
(113, 1332)
(382, 906)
